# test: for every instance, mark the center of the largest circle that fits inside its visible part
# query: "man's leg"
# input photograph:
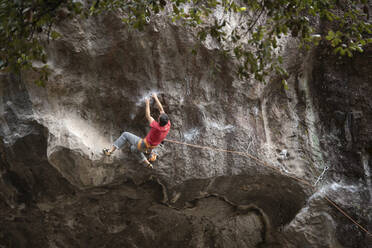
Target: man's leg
(133, 141)
(120, 142)
(153, 155)
(140, 156)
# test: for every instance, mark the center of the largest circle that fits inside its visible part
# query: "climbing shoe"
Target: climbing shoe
(106, 152)
(149, 166)
(152, 157)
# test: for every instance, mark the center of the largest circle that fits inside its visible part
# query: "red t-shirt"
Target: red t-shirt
(157, 133)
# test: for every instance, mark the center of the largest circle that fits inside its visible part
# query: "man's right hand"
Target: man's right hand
(160, 107)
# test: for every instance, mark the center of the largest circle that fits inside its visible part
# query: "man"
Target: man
(158, 132)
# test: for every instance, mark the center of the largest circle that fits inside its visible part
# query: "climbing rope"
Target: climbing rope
(244, 154)
(346, 215)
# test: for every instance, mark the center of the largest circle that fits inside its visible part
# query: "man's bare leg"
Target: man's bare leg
(113, 148)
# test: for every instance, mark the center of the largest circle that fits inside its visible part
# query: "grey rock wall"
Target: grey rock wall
(57, 190)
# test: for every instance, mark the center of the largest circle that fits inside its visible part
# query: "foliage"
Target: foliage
(24, 25)
(249, 30)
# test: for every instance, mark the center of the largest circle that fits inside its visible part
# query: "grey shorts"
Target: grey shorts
(132, 140)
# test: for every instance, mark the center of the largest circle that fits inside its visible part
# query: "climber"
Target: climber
(158, 132)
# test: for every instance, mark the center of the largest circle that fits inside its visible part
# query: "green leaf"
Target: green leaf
(329, 16)
(202, 35)
(349, 53)
(359, 49)
(337, 50)
(285, 84)
(55, 35)
(342, 52)
(40, 83)
(175, 9)
(335, 42)
(330, 35)
(91, 9)
(280, 59)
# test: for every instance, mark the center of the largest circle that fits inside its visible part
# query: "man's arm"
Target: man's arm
(160, 107)
(148, 116)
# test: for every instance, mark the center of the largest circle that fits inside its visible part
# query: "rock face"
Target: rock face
(57, 190)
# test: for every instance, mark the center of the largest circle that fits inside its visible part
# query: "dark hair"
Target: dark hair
(163, 119)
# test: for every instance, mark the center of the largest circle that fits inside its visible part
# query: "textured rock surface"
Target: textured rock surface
(57, 190)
